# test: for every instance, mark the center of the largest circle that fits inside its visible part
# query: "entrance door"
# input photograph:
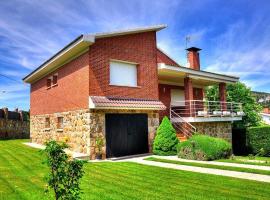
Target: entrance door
(126, 134)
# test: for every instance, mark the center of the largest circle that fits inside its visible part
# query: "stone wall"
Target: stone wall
(82, 128)
(76, 126)
(14, 129)
(215, 129)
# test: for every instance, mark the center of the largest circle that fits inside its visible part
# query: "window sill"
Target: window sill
(54, 85)
(125, 86)
(59, 130)
(47, 129)
(49, 87)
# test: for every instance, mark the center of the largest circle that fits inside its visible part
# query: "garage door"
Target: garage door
(126, 134)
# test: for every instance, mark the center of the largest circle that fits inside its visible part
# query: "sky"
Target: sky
(234, 35)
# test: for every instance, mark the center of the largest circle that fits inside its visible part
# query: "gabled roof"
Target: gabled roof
(77, 47)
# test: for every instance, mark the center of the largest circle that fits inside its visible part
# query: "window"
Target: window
(60, 122)
(47, 122)
(49, 83)
(123, 74)
(177, 97)
(55, 76)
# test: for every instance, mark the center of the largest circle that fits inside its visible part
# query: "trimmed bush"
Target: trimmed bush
(203, 147)
(165, 142)
(258, 139)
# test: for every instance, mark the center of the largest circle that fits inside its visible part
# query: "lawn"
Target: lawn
(22, 172)
(263, 161)
(212, 166)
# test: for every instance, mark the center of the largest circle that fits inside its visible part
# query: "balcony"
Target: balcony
(205, 111)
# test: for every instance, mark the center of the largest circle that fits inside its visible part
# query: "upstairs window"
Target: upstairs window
(60, 122)
(55, 77)
(49, 83)
(123, 74)
(47, 122)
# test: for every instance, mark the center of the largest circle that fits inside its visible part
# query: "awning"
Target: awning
(102, 102)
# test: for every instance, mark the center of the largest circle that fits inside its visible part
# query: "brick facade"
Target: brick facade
(71, 93)
(138, 48)
(163, 58)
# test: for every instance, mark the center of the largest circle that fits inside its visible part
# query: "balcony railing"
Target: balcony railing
(200, 108)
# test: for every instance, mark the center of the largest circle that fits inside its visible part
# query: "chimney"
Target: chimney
(193, 57)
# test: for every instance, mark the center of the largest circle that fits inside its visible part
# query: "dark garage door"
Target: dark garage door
(126, 134)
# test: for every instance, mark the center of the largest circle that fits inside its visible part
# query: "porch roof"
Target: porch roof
(103, 102)
(199, 77)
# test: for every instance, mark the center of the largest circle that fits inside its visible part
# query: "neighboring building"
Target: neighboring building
(118, 86)
(266, 115)
(266, 118)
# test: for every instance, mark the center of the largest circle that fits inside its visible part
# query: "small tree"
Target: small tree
(165, 142)
(65, 173)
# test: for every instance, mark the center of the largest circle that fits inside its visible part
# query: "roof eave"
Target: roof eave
(130, 31)
(72, 49)
(200, 74)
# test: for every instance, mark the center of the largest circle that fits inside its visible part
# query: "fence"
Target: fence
(14, 124)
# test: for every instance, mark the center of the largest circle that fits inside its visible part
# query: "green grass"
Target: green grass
(22, 172)
(246, 160)
(212, 166)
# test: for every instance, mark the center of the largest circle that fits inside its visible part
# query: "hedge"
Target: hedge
(258, 140)
(165, 142)
(203, 147)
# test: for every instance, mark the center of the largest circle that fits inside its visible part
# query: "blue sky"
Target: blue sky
(234, 35)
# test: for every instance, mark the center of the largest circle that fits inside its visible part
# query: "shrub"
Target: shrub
(258, 139)
(64, 174)
(165, 142)
(203, 147)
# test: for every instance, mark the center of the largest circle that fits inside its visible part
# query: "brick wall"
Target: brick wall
(71, 93)
(77, 81)
(139, 48)
(163, 58)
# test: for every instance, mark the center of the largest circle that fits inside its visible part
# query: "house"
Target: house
(116, 87)
(266, 115)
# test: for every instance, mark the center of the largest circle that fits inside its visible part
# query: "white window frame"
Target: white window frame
(121, 72)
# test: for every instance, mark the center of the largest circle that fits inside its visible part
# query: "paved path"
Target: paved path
(215, 163)
(234, 174)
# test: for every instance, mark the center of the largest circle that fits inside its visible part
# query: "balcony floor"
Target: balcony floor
(208, 119)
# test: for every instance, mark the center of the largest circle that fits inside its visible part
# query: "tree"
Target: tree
(240, 93)
(165, 142)
(64, 174)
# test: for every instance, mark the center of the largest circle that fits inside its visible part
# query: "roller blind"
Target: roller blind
(123, 74)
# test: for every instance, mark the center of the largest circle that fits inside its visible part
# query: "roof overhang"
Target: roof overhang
(103, 102)
(69, 52)
(130, 31)
(76, 48)
(175, 74)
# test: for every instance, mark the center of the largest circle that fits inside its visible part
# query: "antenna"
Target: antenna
(188, 38)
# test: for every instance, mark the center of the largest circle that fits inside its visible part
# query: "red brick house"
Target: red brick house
(116, 87)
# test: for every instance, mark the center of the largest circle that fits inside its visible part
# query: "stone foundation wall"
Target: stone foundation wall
(82, 128)
(14, 129)
(75, 130)
(215, 129)
(97, 128)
